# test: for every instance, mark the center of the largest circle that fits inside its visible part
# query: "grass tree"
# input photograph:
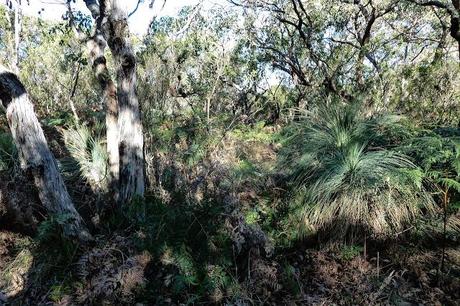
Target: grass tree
(349, 184)
(87, 151)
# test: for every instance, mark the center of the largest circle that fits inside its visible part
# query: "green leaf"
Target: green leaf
(450, 183)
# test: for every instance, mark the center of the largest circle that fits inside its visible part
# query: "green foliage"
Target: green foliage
(341, 171)
(438, 154)
(432, 151)
(58, 292)
(88, 155)
(52, 122)
(51, 239)
(189, 243)
(348, 252)
(50, 229)
(256, 133)
(187, 134)
(290, 279)
(428, 91)
(347, 183)
(252, 217)
(450, 183)
(8, 153)
(244, 170)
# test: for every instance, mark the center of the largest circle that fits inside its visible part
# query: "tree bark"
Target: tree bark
(131, 140)
(36, 158)
(113, 25)
(96, 46)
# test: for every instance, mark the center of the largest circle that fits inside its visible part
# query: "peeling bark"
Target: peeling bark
(35, 157)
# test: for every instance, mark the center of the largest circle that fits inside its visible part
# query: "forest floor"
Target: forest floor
(132, 264)
(115, 271)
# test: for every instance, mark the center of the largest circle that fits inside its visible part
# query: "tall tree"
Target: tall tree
(15, 6)
(96, 47)
(36, 158)
(114, 22)
(453, 9)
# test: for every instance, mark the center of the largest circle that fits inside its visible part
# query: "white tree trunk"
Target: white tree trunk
(96, 46)
(36, 158)
(111, 21)
(16, 25)
(131, 140)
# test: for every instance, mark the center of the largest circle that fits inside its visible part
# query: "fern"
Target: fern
(450, 183)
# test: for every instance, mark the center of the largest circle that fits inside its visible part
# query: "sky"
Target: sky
(139, 21)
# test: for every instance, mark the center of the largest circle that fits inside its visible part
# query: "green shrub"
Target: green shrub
(191, 247)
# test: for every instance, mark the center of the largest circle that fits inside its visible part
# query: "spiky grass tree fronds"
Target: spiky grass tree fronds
(90, 155)
(349, 184)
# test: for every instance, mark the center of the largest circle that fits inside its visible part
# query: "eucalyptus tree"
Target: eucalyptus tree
(356, 50)
(452, 9)
(191, 58)
(35, 156)
(16, 23)
(96, 45)
(111, 20)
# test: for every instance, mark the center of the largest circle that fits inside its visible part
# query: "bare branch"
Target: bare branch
(137, 6)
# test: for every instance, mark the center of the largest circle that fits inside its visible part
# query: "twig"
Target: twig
(378, 264)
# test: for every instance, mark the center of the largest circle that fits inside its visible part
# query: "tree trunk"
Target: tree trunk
(96, 46)
(36, 158)
(439, 52)
(455, 23)
(112, 23)
(131, 140)
(363, 42)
